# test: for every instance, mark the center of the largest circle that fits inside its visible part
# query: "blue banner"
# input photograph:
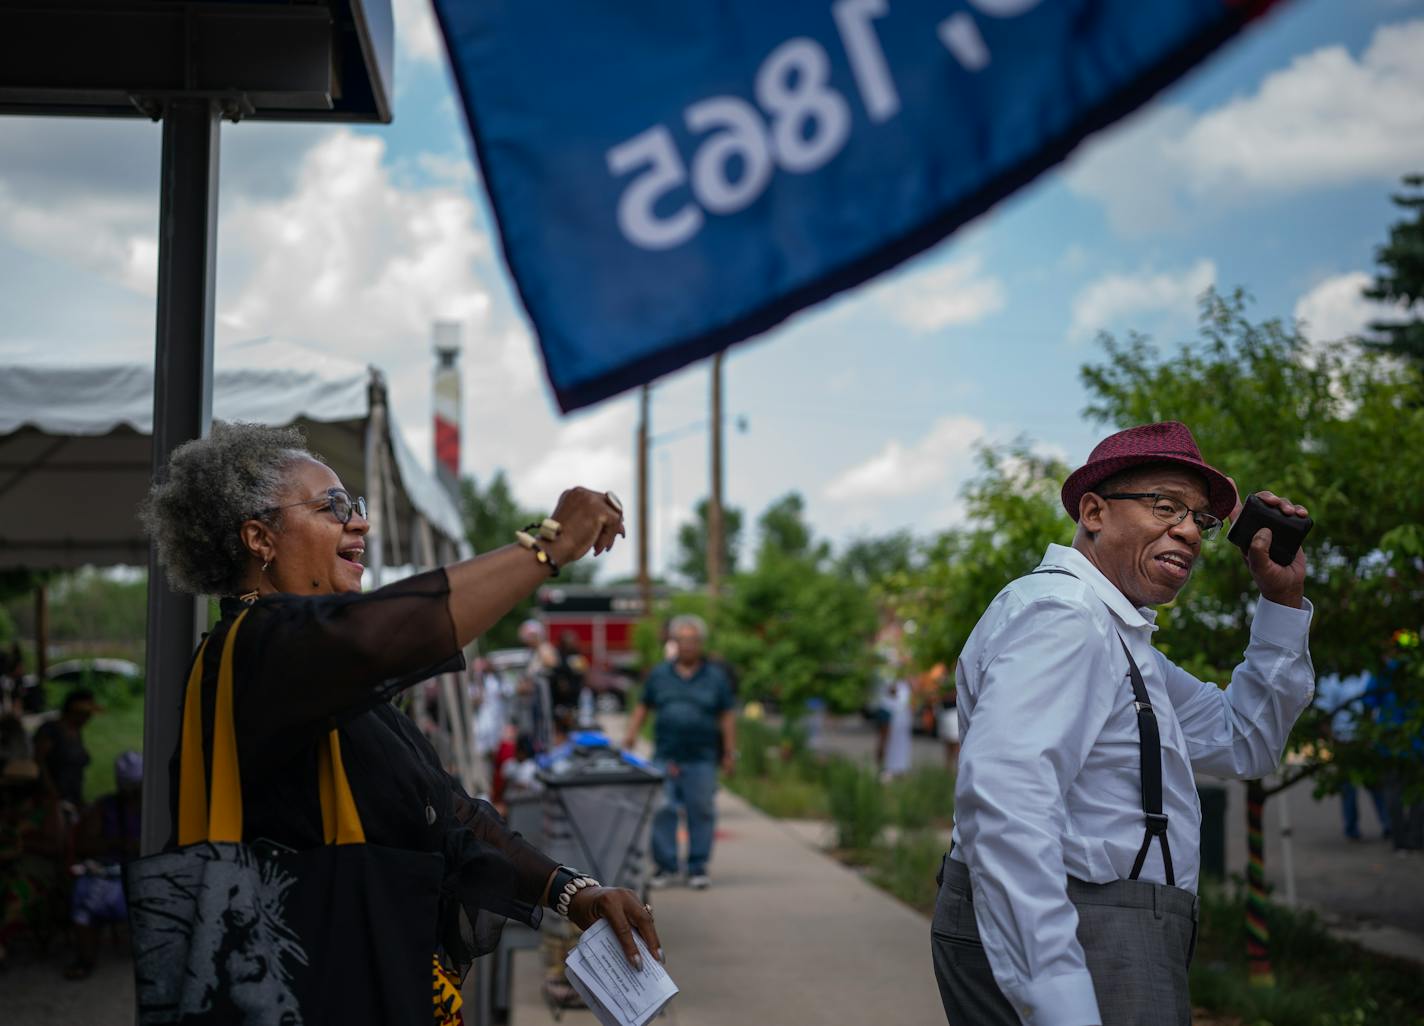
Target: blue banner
(671, 178)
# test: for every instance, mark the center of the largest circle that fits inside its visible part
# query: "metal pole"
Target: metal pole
(41, 633)
(182, 410)
(645, 582)
(714, 505)
(375, 483)
(1287, 849)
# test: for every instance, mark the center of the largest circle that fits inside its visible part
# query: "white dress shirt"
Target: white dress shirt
(1049, 782)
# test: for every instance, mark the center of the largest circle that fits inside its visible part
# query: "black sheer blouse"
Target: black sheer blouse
(306, 664)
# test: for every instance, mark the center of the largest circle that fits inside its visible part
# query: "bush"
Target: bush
(1320, 981)
(907, 869)
(922, 798)
(857, 805)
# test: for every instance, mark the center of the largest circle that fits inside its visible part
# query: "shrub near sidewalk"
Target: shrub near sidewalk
(782, 780)
(858, 808)
(1320, 981)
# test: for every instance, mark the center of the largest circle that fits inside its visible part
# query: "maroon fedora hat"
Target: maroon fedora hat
(1167, 442)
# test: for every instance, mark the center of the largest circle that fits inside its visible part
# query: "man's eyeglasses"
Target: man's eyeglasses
(338, 500)
(1173, 511)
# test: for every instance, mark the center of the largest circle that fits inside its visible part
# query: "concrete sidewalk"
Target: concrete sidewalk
(784, 935)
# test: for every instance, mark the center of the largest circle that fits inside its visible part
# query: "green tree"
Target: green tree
(783, 528)
(871, 560)
(792, 625)
(492, 515)
(691, 559)
(1012, 514)
(1401, 278)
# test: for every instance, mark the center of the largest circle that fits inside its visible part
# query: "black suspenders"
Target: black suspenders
(1149, 743)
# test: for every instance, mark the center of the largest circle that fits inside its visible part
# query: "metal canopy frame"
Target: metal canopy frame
(191, 64)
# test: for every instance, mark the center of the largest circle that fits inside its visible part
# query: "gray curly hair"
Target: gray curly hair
(213, 485)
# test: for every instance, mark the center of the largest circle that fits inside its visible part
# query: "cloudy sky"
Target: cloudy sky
(1270, 168)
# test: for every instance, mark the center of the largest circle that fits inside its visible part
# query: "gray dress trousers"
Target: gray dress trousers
(1137, 937)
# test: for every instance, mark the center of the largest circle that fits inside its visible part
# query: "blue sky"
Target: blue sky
(1269, 167)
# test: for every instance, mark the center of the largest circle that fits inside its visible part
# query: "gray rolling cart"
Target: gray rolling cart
(594, 814)
(598, 810)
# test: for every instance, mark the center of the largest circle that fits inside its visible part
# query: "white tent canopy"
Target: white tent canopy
(75, 454)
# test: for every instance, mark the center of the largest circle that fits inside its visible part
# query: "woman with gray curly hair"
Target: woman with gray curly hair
(248, 514)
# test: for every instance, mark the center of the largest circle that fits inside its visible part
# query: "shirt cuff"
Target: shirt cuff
(1282, 626)
(1064, 1000)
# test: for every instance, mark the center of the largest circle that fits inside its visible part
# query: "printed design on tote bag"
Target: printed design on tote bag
(221, 912)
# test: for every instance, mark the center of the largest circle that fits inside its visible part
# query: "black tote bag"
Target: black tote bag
(232, 933)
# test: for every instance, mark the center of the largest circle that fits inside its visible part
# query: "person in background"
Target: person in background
(106, 839)
(691, 702)
(534, 709)
(947, 725)
(32, 842)
(1387, 701)
(1344, 695)
(14, 743)
(900, 739)
(566, 679)
(60, 751)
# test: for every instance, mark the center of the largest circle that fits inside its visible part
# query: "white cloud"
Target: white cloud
(351, 257)
(944, 455)
(1148, 299)
(1328, 118)
(1133, 170)
(1337, 309)
(417, 33)
(941, 296)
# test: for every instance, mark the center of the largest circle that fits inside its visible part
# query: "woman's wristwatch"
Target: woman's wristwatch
(565, 884)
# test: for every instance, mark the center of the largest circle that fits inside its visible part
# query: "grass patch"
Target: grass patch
(1320, 981)
(785, 795)
(922, 798)
(907, 868)
(858, 805)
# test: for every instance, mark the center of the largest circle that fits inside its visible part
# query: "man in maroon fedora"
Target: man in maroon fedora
(1068, 897)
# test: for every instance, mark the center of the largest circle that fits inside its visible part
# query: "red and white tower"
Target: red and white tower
(447, 404)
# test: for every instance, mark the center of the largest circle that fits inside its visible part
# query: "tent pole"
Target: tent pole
(182, 410)
(375, 480)
(41, 632)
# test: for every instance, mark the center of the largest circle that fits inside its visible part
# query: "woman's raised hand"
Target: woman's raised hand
(624, 912)
(589, 520)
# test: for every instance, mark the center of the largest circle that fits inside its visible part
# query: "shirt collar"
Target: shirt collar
(1066, 557)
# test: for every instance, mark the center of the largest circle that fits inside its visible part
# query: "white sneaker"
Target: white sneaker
(700, 882)
(659, 880)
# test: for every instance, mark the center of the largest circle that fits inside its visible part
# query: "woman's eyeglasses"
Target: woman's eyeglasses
(338, 500)
(1174, 511)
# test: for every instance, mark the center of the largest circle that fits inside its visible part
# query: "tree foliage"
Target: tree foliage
(691, 559)
(793, 626)
(1012, 514)
(1401, 278)
(872, 559)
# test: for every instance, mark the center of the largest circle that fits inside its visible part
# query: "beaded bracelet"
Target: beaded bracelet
(566, 896)
(527, 541)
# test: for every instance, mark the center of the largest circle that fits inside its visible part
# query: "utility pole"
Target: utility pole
(645, 583)
(714, 504)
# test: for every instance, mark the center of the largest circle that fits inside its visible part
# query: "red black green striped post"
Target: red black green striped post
(1258, 934)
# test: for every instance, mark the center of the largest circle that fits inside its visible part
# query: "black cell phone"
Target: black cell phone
(1287, 532)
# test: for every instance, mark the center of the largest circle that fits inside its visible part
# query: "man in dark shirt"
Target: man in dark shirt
(694, 730)
(60, 751)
